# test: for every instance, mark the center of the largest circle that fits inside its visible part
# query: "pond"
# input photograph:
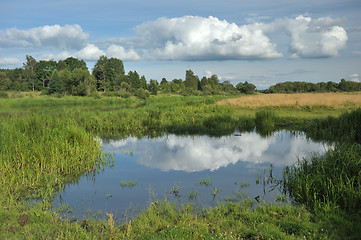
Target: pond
(199, 169)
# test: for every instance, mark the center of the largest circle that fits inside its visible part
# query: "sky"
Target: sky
(260, 41)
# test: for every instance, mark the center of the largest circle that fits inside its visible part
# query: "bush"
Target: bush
(4, 94)
(141, 93)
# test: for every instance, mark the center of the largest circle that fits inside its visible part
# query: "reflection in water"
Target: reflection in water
(199, 153)
(157, 165)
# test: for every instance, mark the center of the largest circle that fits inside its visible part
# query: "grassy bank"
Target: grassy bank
(46, 142)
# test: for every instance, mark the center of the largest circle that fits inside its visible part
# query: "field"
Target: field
(296, 100)
(47, 142)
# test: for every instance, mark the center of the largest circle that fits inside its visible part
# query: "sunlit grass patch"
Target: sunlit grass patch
(296, 100)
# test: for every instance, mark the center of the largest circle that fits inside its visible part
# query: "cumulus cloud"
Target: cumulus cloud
(198, 38)
(192, 154)
(90, 52)
(9, 61)
(55, 37)
(118, 51)
(310, 38)
(190, 38)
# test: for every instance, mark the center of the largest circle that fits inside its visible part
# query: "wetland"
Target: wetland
(52, 147)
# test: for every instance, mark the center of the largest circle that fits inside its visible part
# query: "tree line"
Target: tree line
(72, 76)
(301, 87)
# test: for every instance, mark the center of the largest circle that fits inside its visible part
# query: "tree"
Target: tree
(247, 88)
(30, 74)
(74, 63)
(164, 81)
(106, 71)
(83, 83)
(55, 84)
(17, 78)
(125, 86)
(134, 80)
(143, 82)
(44, 70)
(67, 80)
(228, 87)
(153, 87)
(191, 82)
(210, 85)
(5, 82)
(165, 86)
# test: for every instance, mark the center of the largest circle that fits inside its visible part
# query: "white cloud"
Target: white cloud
(198, 38)
(55, 37)
(118, 51)
(187, 38)
(310, 38)
(90, 53)
(9, 61)
(199, 153)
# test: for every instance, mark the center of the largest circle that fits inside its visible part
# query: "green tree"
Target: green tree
(5, 82)
(30, 72)
(55, 84)
(17, 78)
(106, 71)
(74, 63)
(134, 80)
(67, 80)
(228, 87)
(247, 88)
(143, 82)
(83, 83)
(153, 87)
(165, 86)
(191, 81)
(44, 70)
(164, 81)
(125, 86)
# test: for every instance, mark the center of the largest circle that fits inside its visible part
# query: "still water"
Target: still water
(199, 169)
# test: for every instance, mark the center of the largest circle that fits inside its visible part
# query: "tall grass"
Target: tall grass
(347, 127)
(297, 100)
(43, 152)
(332, 180)
(265, 121)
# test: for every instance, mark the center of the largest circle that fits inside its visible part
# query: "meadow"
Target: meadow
(47, 142)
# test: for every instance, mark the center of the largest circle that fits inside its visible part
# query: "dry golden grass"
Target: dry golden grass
(335, 100)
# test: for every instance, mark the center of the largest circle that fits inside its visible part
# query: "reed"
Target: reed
(332, 180)
(296, 100)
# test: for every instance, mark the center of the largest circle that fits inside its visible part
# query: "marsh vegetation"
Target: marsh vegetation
(49, 142)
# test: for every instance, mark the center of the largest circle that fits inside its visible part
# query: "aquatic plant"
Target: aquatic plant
(328, 181)
(205, 182)
(193, 195)
(125, 183)
(265, 122)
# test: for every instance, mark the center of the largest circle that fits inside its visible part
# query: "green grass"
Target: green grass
(47, 142)
(125, 183)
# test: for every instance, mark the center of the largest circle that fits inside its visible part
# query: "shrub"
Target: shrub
(4, 94)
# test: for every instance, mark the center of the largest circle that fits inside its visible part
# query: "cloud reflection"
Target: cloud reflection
(199, 153)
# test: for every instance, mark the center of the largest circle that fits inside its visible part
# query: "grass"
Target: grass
(296, 100)
(47, 142)
(125, 183)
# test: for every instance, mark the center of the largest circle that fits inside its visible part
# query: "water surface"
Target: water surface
(173, 167)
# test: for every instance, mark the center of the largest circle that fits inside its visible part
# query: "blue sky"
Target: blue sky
(260, 41)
